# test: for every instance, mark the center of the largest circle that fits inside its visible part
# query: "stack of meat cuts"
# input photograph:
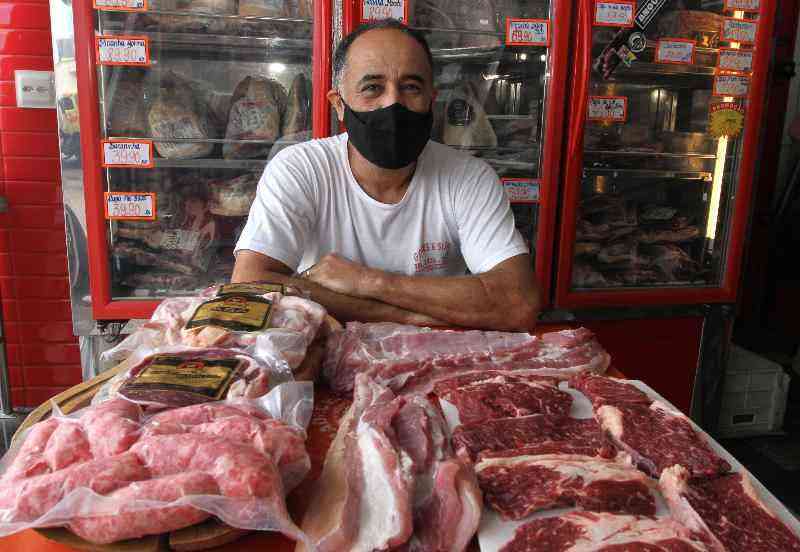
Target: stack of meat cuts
(621, 242)
(109, 474)
(534, 458)
(409, 359)
(391, 481)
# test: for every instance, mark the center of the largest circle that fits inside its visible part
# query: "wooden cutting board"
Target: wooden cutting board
(202, 536)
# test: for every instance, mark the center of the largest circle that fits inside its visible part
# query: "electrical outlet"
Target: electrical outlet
(35, 89)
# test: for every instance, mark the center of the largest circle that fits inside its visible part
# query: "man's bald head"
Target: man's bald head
(342, 50)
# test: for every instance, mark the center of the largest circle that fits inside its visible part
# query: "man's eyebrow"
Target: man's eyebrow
(371, 77)
(415, 77)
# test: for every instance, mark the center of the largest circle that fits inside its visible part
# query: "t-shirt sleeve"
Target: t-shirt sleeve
(485, 220)
(282, 215)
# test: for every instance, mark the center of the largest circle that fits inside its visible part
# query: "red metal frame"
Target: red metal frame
(550, 172)
(726, 293)
(103, 308)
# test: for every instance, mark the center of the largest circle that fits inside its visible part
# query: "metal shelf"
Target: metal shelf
(652, 154)
(238, 164)
(207, 140)
(643, 173)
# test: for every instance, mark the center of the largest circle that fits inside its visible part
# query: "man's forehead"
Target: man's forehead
(380, 51)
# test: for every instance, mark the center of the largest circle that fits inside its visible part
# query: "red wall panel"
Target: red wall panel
(43, 355)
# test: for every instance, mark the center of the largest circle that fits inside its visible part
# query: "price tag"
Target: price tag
(134, 154)
(731, 85)
(122, 50)
(527, 32)
(130, 206)
(120, 5)
(675, 50)
(384, 9)
(739, 30)
(752, 6)
(608, 108)
(725, 119)
(735, 60)
(522, 190)
(614, 14)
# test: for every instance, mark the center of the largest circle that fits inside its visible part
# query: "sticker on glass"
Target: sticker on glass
(239, 313)
(132, 154)
(384, 9)
(527, 32)
(614, 14)
(522, 190)
(735, 60)
(608, 108)
(675, 50)
(120, 5)
(122, 50)
(130, 205)
(725, 119)
(739, 30)
(731, 85)
(752, 6)
(251, 288)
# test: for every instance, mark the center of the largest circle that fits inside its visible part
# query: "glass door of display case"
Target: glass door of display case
(500, 71)
(182, 104)
(666, 108)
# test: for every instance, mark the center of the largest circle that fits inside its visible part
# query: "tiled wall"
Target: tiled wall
(43, 355)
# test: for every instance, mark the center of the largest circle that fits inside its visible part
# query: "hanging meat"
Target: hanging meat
(265, 8)
(297, 118)
(127, 113)
(178, 113)
(257, 108)
(187, 21)
(466, 124)
(232, 198)
(673, 261)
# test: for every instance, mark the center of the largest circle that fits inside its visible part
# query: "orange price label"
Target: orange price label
(120, 5)
(134, 154)
(614, 14)
(736, 86)
(739, 30)
(122, 50)
(740, 61)
(752, 6)
(130, 205)
(522, 190)
(608, 108)
(527, 32)
(384, 9)
(675, 50)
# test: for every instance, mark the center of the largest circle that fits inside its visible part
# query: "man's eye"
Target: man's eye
(371, 88)
(412, 87)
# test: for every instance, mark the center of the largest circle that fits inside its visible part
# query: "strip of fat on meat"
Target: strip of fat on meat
(31, 498)
(133, 521)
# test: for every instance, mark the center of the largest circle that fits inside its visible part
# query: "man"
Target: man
(380, 223)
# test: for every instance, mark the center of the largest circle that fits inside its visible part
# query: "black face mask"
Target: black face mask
(391, 137)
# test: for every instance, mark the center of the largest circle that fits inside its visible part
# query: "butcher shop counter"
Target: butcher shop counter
(328, 409)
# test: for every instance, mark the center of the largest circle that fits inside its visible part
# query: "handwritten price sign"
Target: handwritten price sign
(735, 60)
(384, 9)
(522, 190)
(130, 206)
(731, 85)
(120, 5)
(675, 50)
(527, 32)
(134, 154)
(738, 30)
(753, 6)
(122, 50)
(608, 108)
(614, 14)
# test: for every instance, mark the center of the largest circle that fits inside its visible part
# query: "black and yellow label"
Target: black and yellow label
(252, 288)
(726, 119)
(208, 378)
(240, 313)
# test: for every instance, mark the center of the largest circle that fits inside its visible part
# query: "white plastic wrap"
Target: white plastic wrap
(232, 459)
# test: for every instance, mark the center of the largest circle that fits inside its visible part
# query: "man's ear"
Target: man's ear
(335, 100)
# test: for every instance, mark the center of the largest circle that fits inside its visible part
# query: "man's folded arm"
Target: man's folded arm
(252, 266)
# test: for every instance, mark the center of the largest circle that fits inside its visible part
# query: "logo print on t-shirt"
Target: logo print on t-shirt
(431, 257)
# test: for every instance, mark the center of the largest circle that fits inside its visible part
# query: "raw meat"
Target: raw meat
(684, 234)
(297, 118)
(703, 26)
(204, 413)
(622, 253)
(127, 115)
(30, 460)
(586, 231)
(603, 390)
(479, 16)
(600, 532)
(141, 255)
(111, 427)
(232, 198)
(31, 498)
(410, 359)
(67, 445)
(178, 113)
(257, 107)
(584, 275)
(264, 8)
(537, 434)
(492, 399)
(657, 438)
(729, 508)
(502, 376)
(673, 261)
(133, 522)
(519, 486)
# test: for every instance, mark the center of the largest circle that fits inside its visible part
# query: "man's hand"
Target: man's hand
(338, 274)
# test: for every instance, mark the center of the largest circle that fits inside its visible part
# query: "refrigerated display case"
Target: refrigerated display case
(180, 106)
(500, 71)
(661, 150)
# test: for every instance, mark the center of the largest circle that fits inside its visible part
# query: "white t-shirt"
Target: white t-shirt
(454, 216)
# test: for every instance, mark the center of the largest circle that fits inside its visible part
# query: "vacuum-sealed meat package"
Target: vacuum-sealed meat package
(257, 108)
(233, 459)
